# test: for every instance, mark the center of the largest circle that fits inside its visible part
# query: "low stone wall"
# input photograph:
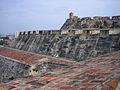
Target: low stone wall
(91, 31)
(46, 67)
(11, 69)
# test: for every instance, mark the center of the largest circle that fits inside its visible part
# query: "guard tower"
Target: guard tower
(71, 15)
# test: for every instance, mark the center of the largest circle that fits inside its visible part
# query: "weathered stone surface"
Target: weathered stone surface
(16, 63)
(10, 69)
(101, 73)
(74, 22)
(77, 47)
(78, 38)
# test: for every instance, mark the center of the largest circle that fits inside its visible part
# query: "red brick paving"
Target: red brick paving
(30, 58)
(101, 73)
(113, 82)
(22, 56)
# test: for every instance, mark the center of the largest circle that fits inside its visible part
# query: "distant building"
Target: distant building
(16, 34)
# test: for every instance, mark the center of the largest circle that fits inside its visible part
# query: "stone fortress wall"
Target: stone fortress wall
(74, 22)
(11, 69)
(74, 31)
(78, 39)
(85, 25)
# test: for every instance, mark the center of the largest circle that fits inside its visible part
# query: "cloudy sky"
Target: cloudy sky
(23, 15)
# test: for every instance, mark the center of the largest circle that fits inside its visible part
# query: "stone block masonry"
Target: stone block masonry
(16, 64)
(77, 39)
(101, 73)
(74, 22)
(77, 47)
(11, 69)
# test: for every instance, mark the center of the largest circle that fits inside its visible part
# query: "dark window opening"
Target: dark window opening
(11, 78)
(28, 32)
(20, 33)
(40, 32)
(34, 32)
(23, 33)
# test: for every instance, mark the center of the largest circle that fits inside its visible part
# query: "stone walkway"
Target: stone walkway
(101, 73)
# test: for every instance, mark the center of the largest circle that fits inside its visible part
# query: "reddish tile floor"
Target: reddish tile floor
(101, 73)
(30, 58)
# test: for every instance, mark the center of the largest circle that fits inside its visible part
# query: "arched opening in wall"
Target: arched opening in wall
(23, 33)
(34, 32)
(40, 32)
(28, 32)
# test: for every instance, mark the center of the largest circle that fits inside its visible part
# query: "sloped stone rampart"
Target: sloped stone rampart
(11, 69)
(76, 47)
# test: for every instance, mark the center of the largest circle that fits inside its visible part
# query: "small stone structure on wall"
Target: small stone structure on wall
(87, 31)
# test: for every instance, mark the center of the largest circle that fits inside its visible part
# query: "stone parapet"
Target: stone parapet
(90, 31)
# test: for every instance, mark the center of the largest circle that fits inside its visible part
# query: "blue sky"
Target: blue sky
(23, 15)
